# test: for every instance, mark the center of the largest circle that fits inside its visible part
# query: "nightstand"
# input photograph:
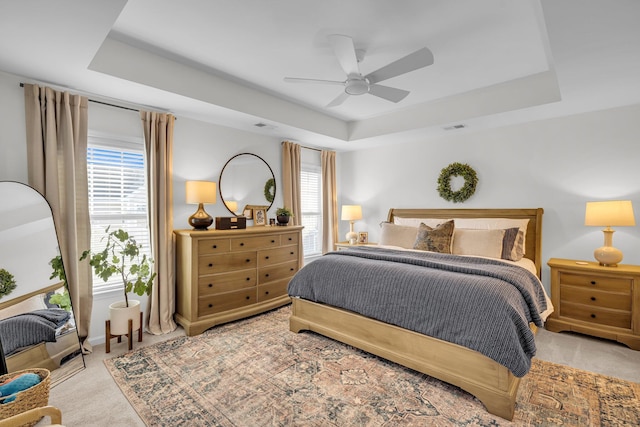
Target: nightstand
(344, 245)
(595, 300)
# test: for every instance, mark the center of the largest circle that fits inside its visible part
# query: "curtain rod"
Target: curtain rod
(302, 146)
(108, 104)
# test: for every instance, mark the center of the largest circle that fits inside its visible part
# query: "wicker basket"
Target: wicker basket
(33, 397)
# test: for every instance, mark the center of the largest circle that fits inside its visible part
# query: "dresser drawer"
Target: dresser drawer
(210, 264)
(272, 290)
(289, 239)
(255, 242)
(227, 301)
(595, 297)
(213, 246)
(226, 282)
(615, 284)
(277, 256)
(603, 316)
(277, 272)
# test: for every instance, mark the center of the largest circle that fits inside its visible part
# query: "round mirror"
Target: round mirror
(246, 180)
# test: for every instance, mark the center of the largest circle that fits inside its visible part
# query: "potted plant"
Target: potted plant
(283, 215)
(121, 256)
(63, 300)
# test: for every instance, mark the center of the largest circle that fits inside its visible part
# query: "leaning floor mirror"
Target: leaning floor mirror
(37, 325)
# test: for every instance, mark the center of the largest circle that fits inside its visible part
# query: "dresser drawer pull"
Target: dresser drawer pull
(290, 239)
(593, 316)
(241, 244)
(266, 275)
(211, 285)
(248, 278)
(273, 241)
(267, 257)
(215, 246)
(291, 269)
(210, 305)
(248, 297)
(291, 253)
(593, 298)
(593, 282)
(248, 260)
(266, 293)
(210, 264)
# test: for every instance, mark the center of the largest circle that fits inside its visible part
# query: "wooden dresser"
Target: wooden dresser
(595, 300)
(225, 275)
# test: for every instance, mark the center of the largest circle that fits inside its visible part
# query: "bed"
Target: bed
(35, 334)
(493, 383)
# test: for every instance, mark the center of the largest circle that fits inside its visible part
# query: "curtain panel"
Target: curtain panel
(329, 201)
(57, 128)
(291, 180)
(158, 139)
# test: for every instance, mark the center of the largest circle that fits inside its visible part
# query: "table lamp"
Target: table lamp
(232, 205)
(351, 213)
(200, 192)
(607, 214)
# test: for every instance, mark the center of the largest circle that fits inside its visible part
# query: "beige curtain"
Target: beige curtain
(329, 201)
(56, 125)
(158, 140)
(291, 179)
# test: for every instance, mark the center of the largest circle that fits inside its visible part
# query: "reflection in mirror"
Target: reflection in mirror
(246, 179)
(37, 326)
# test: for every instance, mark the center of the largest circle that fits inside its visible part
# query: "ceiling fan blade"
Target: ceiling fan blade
(298, 80)
(339, 100)
(345, 52)
(418, 59)
(389, 93)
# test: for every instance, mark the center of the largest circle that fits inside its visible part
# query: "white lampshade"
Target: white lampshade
(351, 213)
(232, 205)
(614, 212)
(200, 192)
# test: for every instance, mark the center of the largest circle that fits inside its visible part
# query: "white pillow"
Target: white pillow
(36, 302)
(415, 222)
(397, 235)
(486, 243)
(495, 223)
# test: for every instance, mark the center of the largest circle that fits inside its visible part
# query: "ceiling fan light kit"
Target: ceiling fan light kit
(358, 84)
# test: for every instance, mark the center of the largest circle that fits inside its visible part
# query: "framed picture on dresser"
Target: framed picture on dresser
(363, 237)
(260, 217)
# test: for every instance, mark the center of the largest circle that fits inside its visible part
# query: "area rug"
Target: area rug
(255, 372)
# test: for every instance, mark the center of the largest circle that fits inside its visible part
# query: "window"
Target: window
(117, 195)
(311, 204)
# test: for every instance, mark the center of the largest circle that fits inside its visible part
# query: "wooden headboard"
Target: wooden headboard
(533, 249)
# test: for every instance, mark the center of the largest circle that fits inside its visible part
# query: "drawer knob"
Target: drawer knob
(593, 316)
(291, 269)
(266, 293)
(248, 278)
(273, 241)
(211, 285)
(241, 244)
(210, 264)
(267, 257)
(593, 298)
(266, 275)
(215, 246)
(290, 239)
(248, 260)
(248, 297)
(593, 282)
(210, 305)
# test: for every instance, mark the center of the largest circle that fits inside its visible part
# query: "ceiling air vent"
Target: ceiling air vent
(453, 127)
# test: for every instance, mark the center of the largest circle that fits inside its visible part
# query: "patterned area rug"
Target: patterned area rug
(255, 372)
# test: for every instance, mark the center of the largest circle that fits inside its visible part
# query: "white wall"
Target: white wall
(555, 164)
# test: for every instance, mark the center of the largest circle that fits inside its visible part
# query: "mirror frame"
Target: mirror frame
(275, 186)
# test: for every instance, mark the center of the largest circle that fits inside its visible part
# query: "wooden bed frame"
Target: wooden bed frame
(492, 383)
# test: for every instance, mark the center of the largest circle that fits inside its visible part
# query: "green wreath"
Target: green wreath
(270, 190)
(7, 282)
(467, 190)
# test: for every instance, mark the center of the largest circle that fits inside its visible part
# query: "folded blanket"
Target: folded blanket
(31, 328)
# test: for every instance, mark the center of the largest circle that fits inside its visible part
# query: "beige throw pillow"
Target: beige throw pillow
(486, 243)
(397, 235)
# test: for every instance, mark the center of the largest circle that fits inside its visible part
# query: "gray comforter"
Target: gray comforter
(482, 304)
(31, 328)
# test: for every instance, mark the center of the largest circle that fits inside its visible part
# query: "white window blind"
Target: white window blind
(311, 204)
(117, 196)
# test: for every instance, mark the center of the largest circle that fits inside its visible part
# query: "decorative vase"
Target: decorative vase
(119, 315)
(283, 219)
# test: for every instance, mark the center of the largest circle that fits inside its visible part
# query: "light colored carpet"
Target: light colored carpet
(256, 372)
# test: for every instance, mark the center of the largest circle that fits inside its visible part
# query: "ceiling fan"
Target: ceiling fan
(356, 83)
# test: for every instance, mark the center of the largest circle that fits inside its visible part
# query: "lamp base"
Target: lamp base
(608, 256)
(200, 220)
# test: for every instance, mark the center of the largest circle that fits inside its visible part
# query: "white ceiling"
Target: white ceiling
(496, 61)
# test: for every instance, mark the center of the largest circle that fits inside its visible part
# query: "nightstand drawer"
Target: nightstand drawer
(603, 316)
(615, 284)
(595, 298)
